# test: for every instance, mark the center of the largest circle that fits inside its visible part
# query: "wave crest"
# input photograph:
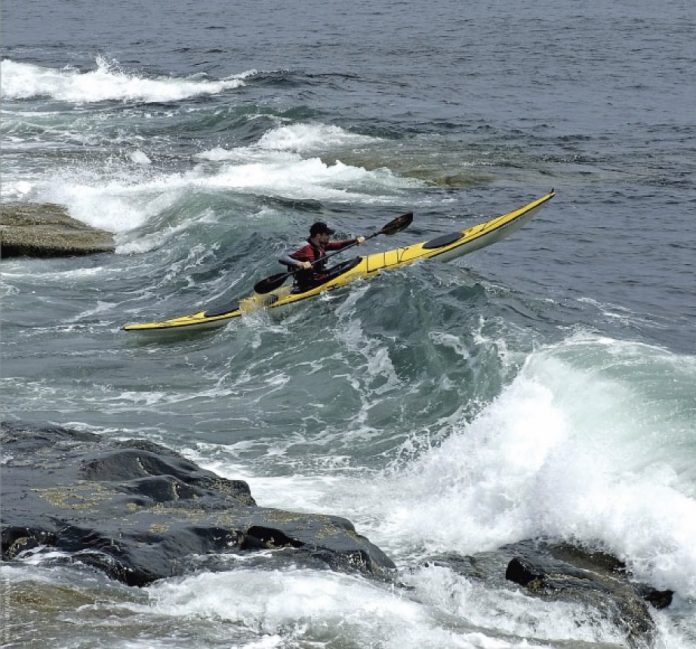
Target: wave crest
(108, 82)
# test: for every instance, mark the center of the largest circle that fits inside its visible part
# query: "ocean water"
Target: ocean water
(544, 386)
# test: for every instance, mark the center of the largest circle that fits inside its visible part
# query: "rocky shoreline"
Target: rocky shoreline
(47, 230)
(141, 512)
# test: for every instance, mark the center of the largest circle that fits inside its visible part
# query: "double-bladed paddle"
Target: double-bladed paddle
(394, 226)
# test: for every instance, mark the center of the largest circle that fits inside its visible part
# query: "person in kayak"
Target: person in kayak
(319, 242)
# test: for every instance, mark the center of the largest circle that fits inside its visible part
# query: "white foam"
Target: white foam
(151, 241)
(311, 137)
(108, 82)
(305, 607)
(473, 492)
(590, 453)
(267, 642)
(219, 154)
(139, 157)
(288, 174)
(295, 177)
(292, 139)
(115, 205)
(41, 554)
(126, 200)
(276, 165)
(16, 189)
(510, 611)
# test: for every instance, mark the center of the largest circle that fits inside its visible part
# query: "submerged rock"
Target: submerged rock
(560, 571)
(46, 230)
(141, 512)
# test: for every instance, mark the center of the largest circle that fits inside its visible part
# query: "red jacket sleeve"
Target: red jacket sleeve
(337, 245)
(303, 254)
(306, 253)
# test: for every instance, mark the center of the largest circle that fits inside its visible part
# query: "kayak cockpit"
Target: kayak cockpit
(329, 274)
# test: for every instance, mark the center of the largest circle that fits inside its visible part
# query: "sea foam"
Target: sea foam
(129, 198)
(588, 450)
(306, 608)
(108, 82)
(310, 137)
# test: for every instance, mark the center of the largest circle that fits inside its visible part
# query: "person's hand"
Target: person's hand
(305, 265)
(360, 240)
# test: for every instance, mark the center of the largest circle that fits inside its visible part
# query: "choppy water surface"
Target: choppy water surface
(543, 386)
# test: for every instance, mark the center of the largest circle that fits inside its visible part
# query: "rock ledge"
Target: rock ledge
(141, 512)
(46, 230)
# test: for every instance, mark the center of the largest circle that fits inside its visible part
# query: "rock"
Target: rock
(560, 571)
(141, 512)
(560, 567)
(46, 230)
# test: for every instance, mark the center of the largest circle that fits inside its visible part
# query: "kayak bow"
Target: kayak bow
(443, 248)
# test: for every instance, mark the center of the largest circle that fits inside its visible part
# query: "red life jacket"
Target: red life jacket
(311, 253)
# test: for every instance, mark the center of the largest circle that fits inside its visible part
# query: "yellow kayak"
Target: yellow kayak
(443, 248)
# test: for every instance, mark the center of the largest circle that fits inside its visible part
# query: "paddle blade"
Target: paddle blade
(397, 224)
(271, 283)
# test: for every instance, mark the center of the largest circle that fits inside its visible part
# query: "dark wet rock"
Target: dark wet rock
(561, 571)
(142, 512)
(560, 567)
(657, 598)
(46, 230)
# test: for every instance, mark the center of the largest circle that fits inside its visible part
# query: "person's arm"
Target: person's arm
(298, 259)
(338, 245)
(287, 260)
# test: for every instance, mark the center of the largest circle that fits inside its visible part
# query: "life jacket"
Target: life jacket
(317, 274)
(319, 252)
(305, 279)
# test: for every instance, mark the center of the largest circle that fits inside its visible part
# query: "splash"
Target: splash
(591, 443)
(294, 607)
(294, 139)
(108, 82)
(310, 137)
(130, 197)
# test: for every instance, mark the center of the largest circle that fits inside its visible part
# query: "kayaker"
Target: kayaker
(318, 245)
